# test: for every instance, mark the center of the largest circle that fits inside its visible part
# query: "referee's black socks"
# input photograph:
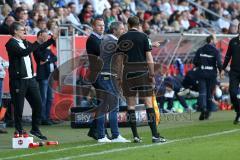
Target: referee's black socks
(132, 122)
(152, 121)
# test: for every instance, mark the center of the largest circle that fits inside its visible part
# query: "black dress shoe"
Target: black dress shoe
(201, 117)
(237, 119)
(207, 115)
(204, 115)
(38, 134)
(93, 134)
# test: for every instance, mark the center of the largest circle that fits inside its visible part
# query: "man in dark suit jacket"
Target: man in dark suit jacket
(22, 82)
(45, 60)
(93, 50)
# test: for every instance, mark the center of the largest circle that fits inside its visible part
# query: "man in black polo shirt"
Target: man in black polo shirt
(233, 54)
(136, 47)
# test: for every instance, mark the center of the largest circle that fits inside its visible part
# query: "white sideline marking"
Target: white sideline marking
(145, 146)
(52, 151)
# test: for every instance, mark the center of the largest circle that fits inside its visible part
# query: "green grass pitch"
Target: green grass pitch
(188, 139)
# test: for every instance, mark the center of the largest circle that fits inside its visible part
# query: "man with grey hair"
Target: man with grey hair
(22, 82)
(107, 80)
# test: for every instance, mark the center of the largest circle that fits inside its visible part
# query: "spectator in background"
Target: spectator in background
(233, 9)
(51, 13)
(39, 7)
(87, 8)
(20, 14)
(215, 7)
(144, 5)
(79, 5)
(108, 19)
(6, 10)
(156, 23)
(148, 16)
(58, 3)
(233, 29)
(166, 7)
(87, 19)
(126, 14)
(183, 5)
(27, 3)
(3, 65)
(4, 28)
(131, 5)
(156, 7)
(99, 6)
(72, 17)
(24, 6)
(45, 9)
(52, 25)
(146, 28)
(115, 14)
(118, 8)
(45, 60)
(177, 27)
(185, 20)
(33, 18)
(225, 21)
(41, 25)
(60, 15)
(140, 15)
(172, 17)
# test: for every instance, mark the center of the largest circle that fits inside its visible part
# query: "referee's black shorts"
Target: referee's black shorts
(137, 84)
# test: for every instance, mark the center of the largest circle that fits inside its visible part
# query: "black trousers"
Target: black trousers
(206, 88)
(234, 80)
(26, 88)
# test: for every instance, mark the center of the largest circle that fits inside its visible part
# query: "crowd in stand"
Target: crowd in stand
(157, 16)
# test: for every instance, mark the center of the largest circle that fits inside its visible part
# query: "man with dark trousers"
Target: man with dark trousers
(22, 82)
(45, 60)
(233, 54)
(136, 46)
(93, 50)
(207, 60)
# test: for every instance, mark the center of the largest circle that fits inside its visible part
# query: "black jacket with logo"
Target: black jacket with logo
(208, 60)
(16, 54)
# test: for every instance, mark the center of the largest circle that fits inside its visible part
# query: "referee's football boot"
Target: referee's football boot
(158, 139)
(137, 140)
